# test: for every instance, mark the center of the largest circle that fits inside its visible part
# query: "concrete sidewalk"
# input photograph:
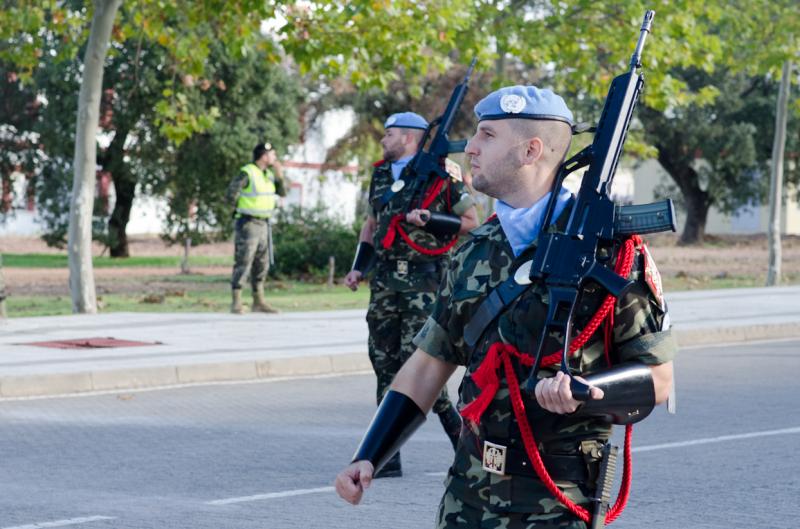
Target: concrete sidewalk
(192, 348)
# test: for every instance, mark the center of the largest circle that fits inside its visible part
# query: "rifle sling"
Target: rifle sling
(406, 177)
(495, 303)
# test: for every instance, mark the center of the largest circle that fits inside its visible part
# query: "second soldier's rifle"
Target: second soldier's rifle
(566, 261)
(428, 165)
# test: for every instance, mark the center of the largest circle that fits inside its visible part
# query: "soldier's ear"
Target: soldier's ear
(534, 150)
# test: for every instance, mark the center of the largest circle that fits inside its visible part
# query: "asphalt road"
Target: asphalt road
(264, 454)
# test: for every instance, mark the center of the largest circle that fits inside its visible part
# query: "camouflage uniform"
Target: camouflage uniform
(400, 302)
(251, 256)
(475, 498)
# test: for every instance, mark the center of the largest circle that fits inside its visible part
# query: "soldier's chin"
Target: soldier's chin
(479, 183)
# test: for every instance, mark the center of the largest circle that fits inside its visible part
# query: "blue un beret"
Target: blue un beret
(523, 102)
(406, 120)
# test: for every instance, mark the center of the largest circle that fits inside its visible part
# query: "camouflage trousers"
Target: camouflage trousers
(251, 252)
(455, 514)
(394, 318)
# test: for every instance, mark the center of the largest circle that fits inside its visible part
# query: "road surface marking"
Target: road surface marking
(720, 439)
(61, 523)
(270, 496)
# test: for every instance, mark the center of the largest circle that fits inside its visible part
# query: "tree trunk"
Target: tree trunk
(776, 178)
(697, 200)
(79, 241)
(694, 230)
(125, 190)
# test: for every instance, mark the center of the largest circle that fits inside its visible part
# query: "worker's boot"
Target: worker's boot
(392, 468)
(451, 422)
(236, 303)
(259, 304)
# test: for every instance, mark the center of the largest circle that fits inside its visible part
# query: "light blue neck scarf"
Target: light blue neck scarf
(399, 165)
(522, 225)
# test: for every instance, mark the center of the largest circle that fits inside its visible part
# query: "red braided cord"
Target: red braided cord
(625, 486)
(501, 354)
(530, 444)
(395, 228)
(486, 375)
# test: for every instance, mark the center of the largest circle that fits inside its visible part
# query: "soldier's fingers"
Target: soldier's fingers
(365, 470)
(568, 403)
(347, 488)
(548, 401)
(597, 393)
(537, 392)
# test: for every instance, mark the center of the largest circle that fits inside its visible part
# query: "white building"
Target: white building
(747, 220)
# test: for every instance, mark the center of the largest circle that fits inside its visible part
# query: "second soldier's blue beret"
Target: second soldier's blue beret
(406, 120)
(523, 102)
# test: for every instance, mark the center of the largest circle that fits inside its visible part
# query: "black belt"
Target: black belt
(561, 467)
(409, 267)
(250, 217)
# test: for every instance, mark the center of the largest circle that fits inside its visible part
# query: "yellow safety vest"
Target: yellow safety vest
(258, 198)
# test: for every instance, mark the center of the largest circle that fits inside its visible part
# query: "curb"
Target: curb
(153, 377)
(56, 384)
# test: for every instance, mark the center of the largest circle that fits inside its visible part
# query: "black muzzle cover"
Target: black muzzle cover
(442, 224)
(629, 394)
(396, 419)
(365, 257)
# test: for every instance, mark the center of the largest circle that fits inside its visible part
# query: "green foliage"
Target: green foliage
(259, 102)
(722, 149)
(304, 240)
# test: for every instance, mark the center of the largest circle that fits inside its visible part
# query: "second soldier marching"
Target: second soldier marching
(406, 279)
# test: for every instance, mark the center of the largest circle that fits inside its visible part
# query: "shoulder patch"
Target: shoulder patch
(653, 277)
(453, 169)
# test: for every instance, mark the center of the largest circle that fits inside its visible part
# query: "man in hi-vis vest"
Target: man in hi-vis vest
(254, 193)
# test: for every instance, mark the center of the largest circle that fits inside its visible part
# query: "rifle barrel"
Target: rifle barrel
(636, 58)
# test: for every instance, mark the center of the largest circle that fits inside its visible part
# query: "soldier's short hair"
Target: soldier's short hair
(261, 149)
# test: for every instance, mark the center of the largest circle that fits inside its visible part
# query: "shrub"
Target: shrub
(304, 239)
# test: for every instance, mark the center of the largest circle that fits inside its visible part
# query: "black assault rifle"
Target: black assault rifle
(566, 261)
(427, 165)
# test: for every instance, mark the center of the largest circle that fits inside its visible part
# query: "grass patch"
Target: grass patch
(44, 260)
(286, 296)
(702, 282)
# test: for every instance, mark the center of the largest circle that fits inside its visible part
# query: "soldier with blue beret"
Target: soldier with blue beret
(406, 276)
(523, 135)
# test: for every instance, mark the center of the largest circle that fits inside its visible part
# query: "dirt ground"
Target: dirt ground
(720, 257)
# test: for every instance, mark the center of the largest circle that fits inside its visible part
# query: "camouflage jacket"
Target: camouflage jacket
(453, 198)
(480, 265)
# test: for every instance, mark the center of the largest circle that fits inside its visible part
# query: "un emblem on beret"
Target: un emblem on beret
(391, 121)
(512, 103)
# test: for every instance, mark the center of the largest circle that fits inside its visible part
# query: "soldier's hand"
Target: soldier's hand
(351, 279)
(554, 395)
(354, 480)
(418, 217)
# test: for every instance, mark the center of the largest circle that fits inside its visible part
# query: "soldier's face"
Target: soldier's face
(494, 158)
(393, 143)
